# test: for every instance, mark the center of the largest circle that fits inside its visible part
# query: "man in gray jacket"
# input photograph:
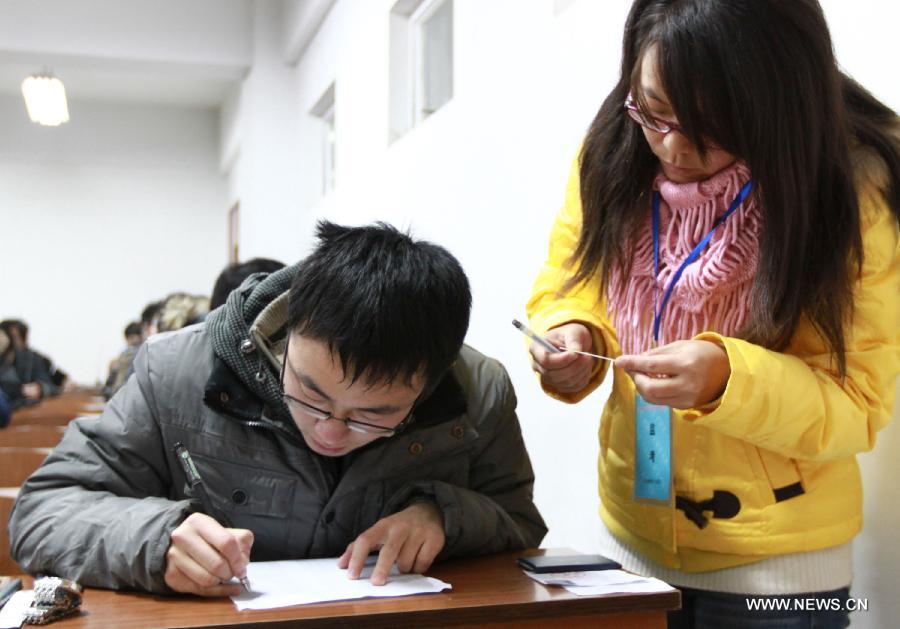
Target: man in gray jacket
(331, 409)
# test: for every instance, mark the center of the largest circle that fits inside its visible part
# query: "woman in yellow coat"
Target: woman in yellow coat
(730, 235)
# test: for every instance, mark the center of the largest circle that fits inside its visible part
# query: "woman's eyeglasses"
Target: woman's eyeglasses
(648, 122)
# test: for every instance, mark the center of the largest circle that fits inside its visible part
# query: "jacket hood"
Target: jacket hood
(247, 334)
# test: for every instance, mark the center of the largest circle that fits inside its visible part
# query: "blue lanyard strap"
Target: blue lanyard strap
(692, 256)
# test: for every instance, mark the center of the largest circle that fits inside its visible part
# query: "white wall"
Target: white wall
(121, 206)
(484, 177)
(263, 154)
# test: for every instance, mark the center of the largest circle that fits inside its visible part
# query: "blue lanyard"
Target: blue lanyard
(692, 256)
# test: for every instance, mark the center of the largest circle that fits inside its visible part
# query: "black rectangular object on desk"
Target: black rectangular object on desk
(567, 563)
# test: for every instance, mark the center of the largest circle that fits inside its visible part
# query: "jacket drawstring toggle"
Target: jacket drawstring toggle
(723, 504)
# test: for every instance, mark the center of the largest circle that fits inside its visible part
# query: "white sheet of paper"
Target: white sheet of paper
(585, 578)
(644, 586)
(13, 613)
(303, 581)
(594, 582)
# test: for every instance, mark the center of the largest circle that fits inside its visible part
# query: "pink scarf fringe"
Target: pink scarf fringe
(714, 291)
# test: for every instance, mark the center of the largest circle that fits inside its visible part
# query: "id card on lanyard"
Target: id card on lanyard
(653, 422)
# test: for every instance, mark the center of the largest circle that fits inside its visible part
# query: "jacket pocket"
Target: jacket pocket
(781, 475)
(244, 490)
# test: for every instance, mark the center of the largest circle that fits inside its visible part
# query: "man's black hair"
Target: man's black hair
(133, 329)
(21, 328)
(150, 311)
(234, 274)
(387, 305)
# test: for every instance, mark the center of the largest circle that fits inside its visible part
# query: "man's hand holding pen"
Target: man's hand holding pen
(204, 556)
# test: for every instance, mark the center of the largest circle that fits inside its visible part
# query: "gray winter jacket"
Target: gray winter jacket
(102, 507)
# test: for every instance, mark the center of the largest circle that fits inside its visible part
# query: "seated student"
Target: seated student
(180, 310)
(18, 333)
(23, 373)
(5, 404)
(331, 409)
(5, 410)
(121, 366)
(150, 318)
(176, 311)
(234, 274)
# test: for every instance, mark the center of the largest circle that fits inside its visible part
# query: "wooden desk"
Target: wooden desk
(487, 591)
(55, 411)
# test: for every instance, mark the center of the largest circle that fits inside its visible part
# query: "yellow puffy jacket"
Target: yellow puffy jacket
(783, 437)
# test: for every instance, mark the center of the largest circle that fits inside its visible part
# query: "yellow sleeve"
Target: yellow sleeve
(549, 307)
(793, 402)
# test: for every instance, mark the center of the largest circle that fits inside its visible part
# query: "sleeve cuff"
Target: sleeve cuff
(690, 414)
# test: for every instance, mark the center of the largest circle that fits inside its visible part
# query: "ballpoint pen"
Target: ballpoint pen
(524, 329)
(540, 340)
(199, 490)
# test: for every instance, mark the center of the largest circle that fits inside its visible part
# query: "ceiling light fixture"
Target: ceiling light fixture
(45, 100)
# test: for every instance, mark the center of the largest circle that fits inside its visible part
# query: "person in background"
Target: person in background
(24, 375)
(121, 367)
(5, 404)
(150, 319)
(180, 310)
(328, 417)
(233, 276)
(5, 409)
(730, 234)
(18, 332)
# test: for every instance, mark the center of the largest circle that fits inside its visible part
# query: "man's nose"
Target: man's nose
(331, 429)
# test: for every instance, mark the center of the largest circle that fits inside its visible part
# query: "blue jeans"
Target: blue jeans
(701, 609)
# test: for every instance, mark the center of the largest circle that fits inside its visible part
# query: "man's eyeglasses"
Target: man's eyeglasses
(648, 122)
(352, 424)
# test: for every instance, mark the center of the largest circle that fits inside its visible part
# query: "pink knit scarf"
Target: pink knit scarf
(714, 291)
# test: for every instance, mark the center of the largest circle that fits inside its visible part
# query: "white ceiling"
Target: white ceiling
(172, 52)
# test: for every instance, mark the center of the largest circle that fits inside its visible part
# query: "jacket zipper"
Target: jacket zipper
(267, 424)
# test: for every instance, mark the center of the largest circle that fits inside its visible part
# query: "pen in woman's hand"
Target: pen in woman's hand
(524, 329)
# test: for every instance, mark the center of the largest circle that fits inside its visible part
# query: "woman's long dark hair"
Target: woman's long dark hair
(757, 78)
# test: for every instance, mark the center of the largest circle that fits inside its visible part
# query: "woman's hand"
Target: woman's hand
(683, 374)
(565, 372)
